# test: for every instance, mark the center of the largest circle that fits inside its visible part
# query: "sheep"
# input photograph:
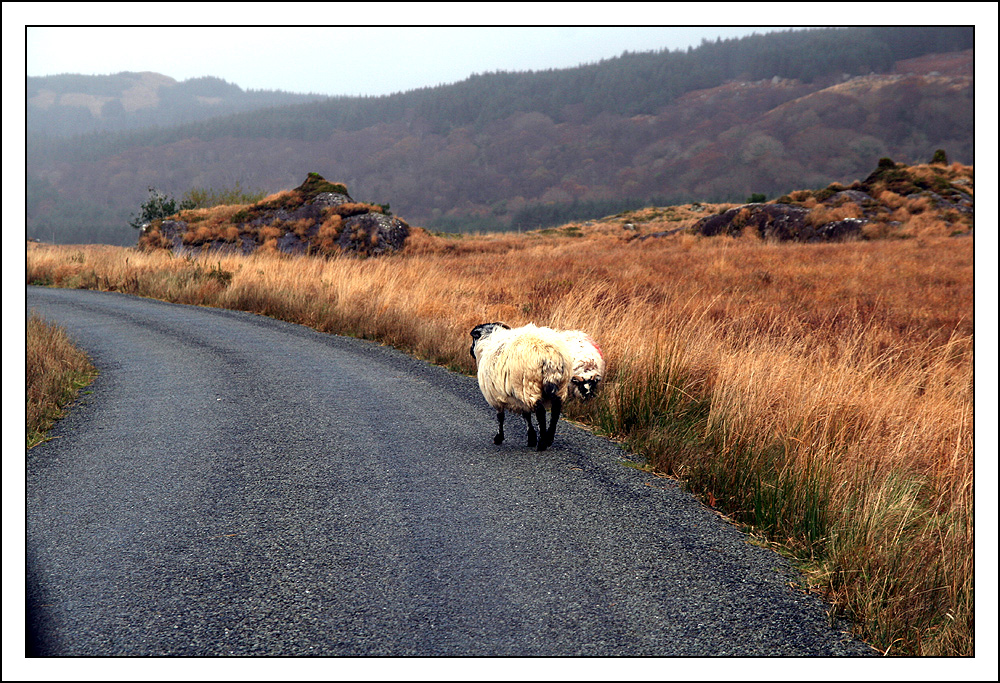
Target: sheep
(524, 370)
(588, 364)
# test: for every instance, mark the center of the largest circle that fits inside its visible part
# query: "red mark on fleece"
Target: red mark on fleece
(595, 345)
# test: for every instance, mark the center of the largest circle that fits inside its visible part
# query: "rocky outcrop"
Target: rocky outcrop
(869, 208)
(783, 222)
(318, 217)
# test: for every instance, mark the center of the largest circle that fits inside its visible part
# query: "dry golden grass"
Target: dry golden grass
(820, 216)
(819, 394)
(54, 370)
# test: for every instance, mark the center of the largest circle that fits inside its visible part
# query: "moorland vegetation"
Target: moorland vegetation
(55, 370)
(819, 394)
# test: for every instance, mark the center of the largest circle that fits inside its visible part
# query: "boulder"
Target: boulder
(372, 234)
(290, 222)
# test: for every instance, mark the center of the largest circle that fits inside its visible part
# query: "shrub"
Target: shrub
(157, 206)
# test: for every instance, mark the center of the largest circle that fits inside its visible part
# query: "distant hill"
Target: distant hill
(765, 114)
(73, 104)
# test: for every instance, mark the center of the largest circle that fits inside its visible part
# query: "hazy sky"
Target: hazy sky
(344, 61)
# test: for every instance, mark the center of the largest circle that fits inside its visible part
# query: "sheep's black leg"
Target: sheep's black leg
(532, 437)
(540, 414)
(548, 437)
(498, 439)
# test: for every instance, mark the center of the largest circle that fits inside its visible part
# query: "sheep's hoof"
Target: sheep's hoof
(532, 439)
(498, 439)
(542, 446)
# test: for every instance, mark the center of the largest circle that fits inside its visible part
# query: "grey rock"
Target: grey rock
(782, 222)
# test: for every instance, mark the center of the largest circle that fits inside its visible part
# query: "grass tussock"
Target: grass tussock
(820, 395)
(54, 371)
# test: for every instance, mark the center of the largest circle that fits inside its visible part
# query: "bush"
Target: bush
(939, 157)
(156, 207)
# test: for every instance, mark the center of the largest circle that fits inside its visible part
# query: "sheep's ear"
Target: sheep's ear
(486, 328)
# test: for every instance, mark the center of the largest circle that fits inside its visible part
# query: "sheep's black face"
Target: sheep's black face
(480, 331)
(586, 388)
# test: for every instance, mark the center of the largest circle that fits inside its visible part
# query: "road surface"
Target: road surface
(236, 485)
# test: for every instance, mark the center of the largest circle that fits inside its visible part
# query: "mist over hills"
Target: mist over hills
(763, 114)
(72, 104)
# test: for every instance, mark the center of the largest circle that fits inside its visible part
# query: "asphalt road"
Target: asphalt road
(236, 485)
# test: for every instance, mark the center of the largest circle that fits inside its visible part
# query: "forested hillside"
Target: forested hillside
(72, 104)
(764, 114)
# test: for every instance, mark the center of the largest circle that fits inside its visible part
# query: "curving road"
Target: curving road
(236, 485)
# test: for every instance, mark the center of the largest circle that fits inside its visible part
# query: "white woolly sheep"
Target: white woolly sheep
(524, 370)
(588, 364)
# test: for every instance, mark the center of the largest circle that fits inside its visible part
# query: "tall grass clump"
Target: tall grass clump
(54, 371)
(858, 463)
(201, 198)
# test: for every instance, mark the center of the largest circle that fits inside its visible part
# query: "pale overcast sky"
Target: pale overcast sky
(342, 61)
(380, 48)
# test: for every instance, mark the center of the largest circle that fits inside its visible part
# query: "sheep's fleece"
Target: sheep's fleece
(515, 365)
